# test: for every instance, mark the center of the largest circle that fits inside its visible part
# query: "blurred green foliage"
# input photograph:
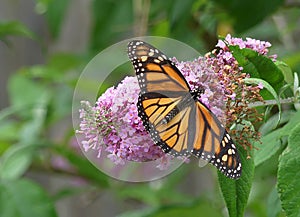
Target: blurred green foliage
(41, 97)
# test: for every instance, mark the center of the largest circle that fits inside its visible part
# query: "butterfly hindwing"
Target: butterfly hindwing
(214, 144)
(174, 136)
(175, 119)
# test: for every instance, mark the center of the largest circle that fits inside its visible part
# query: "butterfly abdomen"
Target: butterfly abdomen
(170, 116)
(186, 101)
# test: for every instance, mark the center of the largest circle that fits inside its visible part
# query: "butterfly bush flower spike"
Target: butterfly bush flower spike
(239, 94)
(113, 126)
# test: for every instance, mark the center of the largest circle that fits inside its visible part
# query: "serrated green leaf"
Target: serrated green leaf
(236, 192)
(23, 198)
(259, 66)
(269, 146)
(288, 175)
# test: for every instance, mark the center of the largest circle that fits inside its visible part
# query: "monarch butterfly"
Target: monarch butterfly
(174, 117)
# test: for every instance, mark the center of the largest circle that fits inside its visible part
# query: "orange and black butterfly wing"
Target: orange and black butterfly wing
(155, 72)
(162, 89)
(174, 136)
(193, 128)
(214, 144)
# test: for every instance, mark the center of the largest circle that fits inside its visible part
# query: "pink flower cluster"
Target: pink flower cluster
(201, 75)
(113, 125)
(238, 94)
(253, 44)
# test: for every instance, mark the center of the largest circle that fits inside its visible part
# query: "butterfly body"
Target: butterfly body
(173, 115)
(186, 101)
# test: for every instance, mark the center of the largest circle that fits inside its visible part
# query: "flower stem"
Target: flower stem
(272, 102)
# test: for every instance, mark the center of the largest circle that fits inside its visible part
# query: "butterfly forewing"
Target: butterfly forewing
(175, 119)
(154, 71)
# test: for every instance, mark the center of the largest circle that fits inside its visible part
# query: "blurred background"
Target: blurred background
(45, 45)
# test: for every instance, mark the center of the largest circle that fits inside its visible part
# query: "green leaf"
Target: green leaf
(61, 103)
(8, 129)
(55, 14)
(246, 14)
(42, 71)
(273, 204)
(23, 91)
(162, 28)
(32, 129)
(272, 122)
(179, 10)
(288, 175)
(271, 141)
(64, 61)
(292, 59)
(269, 146)
(114, 15)
(236, 192)
(293, 121)
(14, 28)
(23, 198)
(16, 160)
(259, 66)
(286, 71)
(265, 84)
